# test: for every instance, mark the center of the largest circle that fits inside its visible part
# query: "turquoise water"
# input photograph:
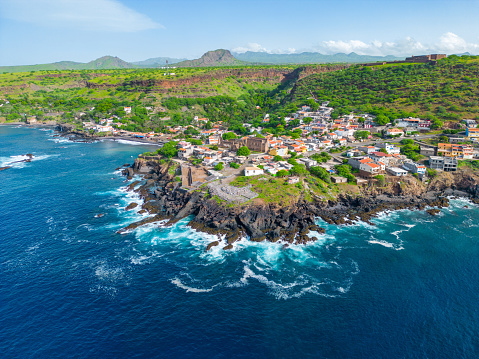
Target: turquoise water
(72, 287)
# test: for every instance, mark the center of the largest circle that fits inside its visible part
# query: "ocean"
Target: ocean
(71, 287)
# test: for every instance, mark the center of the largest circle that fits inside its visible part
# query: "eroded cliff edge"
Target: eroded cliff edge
(165, 200)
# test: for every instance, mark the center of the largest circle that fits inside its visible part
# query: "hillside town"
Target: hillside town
(209, 152)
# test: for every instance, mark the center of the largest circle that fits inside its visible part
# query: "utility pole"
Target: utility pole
(167, 69)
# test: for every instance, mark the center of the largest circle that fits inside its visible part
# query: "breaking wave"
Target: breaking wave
(18, 161)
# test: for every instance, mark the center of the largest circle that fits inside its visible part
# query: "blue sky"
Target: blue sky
(41, 31)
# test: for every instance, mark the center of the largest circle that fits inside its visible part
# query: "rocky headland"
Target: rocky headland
(166, 201)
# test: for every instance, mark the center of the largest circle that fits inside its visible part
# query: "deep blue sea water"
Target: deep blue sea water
(70, 287)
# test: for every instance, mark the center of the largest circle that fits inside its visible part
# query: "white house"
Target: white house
(253, 171)
(368, 149)
(357, 161)
(394, 132)
(381, 157)
(370, 168)
(396, 171)
(292, 180)
(470, 123)
(208, 160)
(308, 162)
(390, 149)
(414, 168)
(127, 110)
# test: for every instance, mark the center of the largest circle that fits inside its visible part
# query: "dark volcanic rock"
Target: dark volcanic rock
(211, 245)
(292, 224)
(131, 206)
(433, 211)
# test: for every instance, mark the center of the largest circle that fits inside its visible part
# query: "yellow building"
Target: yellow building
(472, 132)
(452, 150)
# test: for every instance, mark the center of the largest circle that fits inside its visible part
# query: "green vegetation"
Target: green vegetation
(446, 91)
(229, 136)
(169, 150)
(321, 157)
(219, 166)
(410, 150)
(381, 180)
(431, 172)
(243, 151)
(234, 165)
(277, 191)
(474, 164)
(345, 171)
(299, 170)
(88, 95)
(364, 135)
(321, 173)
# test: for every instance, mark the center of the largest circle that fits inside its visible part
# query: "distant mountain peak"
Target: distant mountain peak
(220, 57)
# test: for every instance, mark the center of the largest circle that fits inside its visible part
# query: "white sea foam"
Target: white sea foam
(383, 243)
(14, 161)
(60, 140)
(108, 274)
(179, 284)
(87, 226)
(134, 143)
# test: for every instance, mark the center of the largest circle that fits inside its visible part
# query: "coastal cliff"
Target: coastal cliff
(165, 200)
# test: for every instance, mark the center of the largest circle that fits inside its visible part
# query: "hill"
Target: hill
(447, 91)
(105, 62)
(310, 58)
(219, 57)
(209, 59)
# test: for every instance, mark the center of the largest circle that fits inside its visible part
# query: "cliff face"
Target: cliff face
(465, 180)
(274, 76)
(289, 224)
(163, 198)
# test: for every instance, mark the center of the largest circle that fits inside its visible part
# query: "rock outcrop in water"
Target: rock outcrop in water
(166, 201)
(9, 165)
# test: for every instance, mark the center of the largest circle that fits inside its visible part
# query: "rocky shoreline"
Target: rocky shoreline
(166, 201)
(69, 131)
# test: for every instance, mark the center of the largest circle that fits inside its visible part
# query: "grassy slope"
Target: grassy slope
(449, 90)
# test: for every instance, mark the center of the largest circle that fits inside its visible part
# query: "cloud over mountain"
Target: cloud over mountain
(448, 43)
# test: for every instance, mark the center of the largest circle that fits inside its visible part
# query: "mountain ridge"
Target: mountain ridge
(310, 57)
(220, 57)
(158, 61)
(102, 63)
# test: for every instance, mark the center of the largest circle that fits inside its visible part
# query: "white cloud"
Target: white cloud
(96, 15)
(252, 46)
(451, 43)
(448, 43)
(408, 46)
